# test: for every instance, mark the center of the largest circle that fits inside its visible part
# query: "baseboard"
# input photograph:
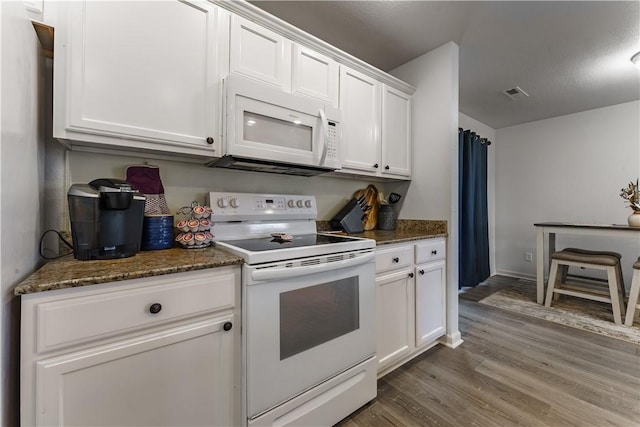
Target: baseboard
(405, 359)
(516, 274)
(452, 340)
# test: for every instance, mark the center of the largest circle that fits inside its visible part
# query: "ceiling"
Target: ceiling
(568, 56)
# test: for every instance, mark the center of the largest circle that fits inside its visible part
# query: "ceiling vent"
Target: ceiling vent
(515, 93)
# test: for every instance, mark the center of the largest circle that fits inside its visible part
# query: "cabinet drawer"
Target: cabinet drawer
(431, 250)
(393, 258)
(77, 319)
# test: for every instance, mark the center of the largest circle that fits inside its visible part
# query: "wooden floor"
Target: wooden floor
(511, 370)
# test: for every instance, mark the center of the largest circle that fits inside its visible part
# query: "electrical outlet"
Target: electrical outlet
(528, 256)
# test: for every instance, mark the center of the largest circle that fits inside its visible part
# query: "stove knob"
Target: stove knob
(291, 203)
(223, 203)
(234, 203)
(299, 203)
(307, 204)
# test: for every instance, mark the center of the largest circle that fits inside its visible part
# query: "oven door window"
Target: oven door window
(317, 314)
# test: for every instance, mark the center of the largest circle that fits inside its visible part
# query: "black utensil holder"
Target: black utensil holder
(386, 218)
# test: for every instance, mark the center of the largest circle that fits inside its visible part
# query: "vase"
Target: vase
(634, 219)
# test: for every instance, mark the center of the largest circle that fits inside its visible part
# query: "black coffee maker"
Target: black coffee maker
(106, 219)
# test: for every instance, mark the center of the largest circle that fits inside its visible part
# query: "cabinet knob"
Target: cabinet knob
(421, 272)
(396, 260)
(434, 252)
(386, 167)
(209, 140)
(411, 275)
(155, 308)
(376, 166)
(227, 326)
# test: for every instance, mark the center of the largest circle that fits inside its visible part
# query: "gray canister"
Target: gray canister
(386, 218)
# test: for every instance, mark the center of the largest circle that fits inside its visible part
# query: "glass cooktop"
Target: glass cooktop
(273, 243)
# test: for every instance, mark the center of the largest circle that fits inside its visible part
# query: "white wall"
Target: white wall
(21, 183)
(435, 76)
(570, 169)
(433, 192)
(485, 131)
(186, 182)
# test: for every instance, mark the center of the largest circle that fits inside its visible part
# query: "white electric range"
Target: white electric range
(308, 310)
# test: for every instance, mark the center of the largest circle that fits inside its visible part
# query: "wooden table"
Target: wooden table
(553, 228)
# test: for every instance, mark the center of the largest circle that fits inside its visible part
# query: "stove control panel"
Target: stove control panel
(252, 206)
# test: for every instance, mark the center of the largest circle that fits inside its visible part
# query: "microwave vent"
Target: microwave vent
(247, 164)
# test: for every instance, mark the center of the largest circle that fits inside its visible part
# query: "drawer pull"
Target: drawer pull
(411, 275)
(421, 272)
(155, 308)
(210, 140)
(396, 260)
(227, 326)
(434, 252)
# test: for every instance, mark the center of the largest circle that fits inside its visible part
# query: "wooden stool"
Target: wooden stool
(632, 304)
(564, 268)
(609, 262)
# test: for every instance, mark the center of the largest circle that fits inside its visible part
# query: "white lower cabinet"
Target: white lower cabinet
(411, 304)
(177, 368)
(430, 302)
(394, 316)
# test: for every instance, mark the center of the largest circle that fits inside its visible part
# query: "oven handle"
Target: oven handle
(289, 272)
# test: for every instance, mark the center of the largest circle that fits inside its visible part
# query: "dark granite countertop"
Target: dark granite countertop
(68, 272)
(407, 230)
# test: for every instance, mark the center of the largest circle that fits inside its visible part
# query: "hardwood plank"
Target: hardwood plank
(511, 370)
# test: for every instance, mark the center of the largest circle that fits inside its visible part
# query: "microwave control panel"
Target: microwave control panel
(332, 144)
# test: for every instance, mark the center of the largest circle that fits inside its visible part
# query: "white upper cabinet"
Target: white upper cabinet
(396, 132)
(360, 106)
(260, 53)
(271, 58)
(314, 75)
(140, 76)
(147, 77)
(377, 127)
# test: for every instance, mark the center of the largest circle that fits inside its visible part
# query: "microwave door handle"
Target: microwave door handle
(325, 136)
(289, 272)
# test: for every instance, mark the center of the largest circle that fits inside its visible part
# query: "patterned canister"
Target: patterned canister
(386, 218)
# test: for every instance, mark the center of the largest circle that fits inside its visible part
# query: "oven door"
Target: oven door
(305, 324)
(268, 124)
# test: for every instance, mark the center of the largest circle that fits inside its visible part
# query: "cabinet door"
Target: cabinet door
(140, 71)
(181, 376)
(430, 302)
(360, 106)
(314, 75)
(259, 53)
(394, 316)
(396, 132)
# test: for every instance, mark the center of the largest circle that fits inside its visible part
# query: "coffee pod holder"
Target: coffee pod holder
(193, 230)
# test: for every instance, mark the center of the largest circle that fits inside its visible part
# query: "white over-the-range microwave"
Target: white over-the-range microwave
(266, 129)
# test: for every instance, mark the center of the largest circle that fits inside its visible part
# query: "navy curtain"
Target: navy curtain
(473, 218)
